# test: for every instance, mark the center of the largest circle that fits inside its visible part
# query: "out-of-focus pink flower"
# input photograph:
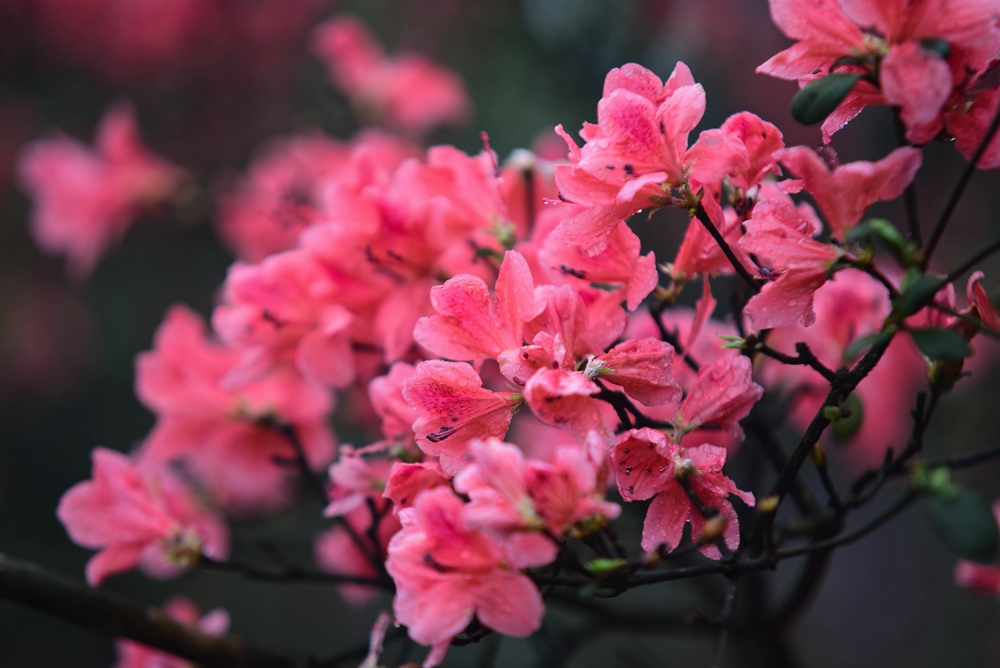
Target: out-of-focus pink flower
(283, 191)
(844, 192)
(454, 409)
(386, 395)
(138, 515)
(133, 655)
(359, 474)
(336, 551)
(723, 394)
(781, 238)
(407, 91)
(225, 435)
(647, 465)
(446, 573)
(86, 198)
(286, 310)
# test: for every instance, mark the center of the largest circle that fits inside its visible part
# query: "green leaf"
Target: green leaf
(941, 344)
(918, 294)
(848, 425)
(965, 524)
(816, 101)
(866, 341)
(604, 567)
(888, 233)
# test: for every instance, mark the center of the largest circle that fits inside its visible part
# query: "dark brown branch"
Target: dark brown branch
(974, 260)
(805, 357)
(910, 195)
(702, 216)
(111, 615)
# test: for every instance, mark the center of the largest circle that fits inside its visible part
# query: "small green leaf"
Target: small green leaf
(918, 294)
(860, 344)
(965, 524)
(941, 344)
(851, 419)
(888, 233)
(817, 100)
(604, 567)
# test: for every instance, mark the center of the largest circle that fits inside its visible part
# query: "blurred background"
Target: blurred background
(242, 74)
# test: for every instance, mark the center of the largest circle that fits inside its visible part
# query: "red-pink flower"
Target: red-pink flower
(845, 191)
(560, 397)
(138, 515)
(407, 481)
(723, 394)
(473, 325)
(286, 310)
(225, 435)
(977, 297)
(969, 125)
(359, 474)
(781, 239)
(446, 573)
(454, 408)
(641, 367)
(133, 655)
(891, 39)
(407, 91)
(86, 198)
(618, 264)
(386, 394)
(647, 465)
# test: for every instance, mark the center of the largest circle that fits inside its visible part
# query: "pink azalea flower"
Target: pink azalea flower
(133, 655)
(781, 238)
(509, 494)
(472, 325)
(386, 395)
(447, 572)
(359, 474)
(723, 394)
(969, 126)
(454, 409)
(649, 466)
(893, 33)
(638, 144)
(618, 264)
(286, 310)
(559, 397)
(407, 481)
(222, 433)
(643, 368)
(86, 198)
(977, 297)
(844, 192)
(337, 552)
(138, 516)
(407, 91)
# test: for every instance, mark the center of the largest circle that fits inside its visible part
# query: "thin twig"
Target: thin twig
(956, 194)
(910, 195)
(289, 574)
(805, 357)
(702, 216)
(974, 260)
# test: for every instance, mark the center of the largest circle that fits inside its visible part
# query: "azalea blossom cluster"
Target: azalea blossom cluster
(530, 369)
